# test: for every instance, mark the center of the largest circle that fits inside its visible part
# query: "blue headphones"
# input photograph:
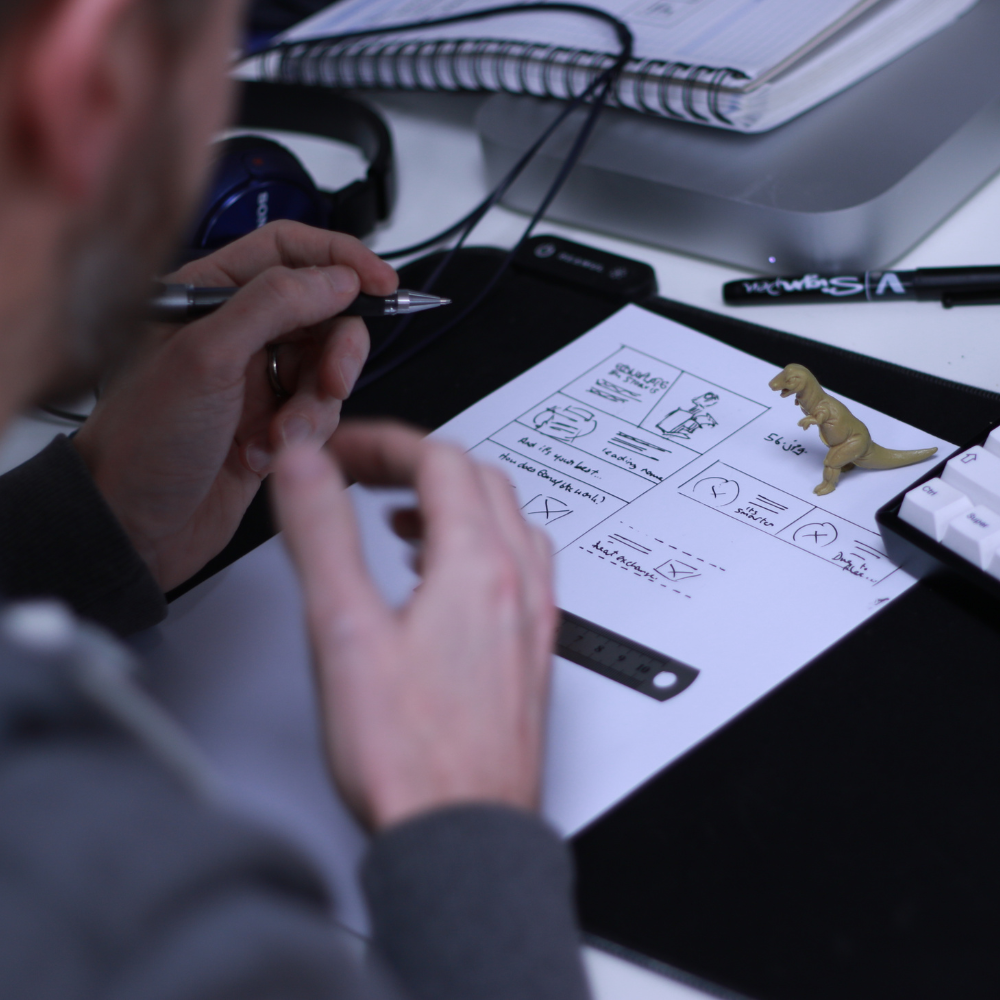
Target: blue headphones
(257, 180)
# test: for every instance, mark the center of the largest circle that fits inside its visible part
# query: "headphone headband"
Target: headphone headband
(295, 107)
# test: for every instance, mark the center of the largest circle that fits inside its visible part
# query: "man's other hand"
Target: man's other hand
(186, 430)
(444, 701)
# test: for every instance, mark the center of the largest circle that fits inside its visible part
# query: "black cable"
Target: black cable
(625, 39)
(501, 189)
(601, 84)
(626, 44)
(368, 377)
(472, 220)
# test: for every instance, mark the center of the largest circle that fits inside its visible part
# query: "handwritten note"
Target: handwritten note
(677, 490)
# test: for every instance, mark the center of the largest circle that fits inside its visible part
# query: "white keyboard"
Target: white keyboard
(961, 509)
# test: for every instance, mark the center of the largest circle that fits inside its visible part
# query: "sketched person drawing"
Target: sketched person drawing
(565, 423)
(697, 417)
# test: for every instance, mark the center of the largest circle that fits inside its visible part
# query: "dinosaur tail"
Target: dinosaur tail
(884, 458)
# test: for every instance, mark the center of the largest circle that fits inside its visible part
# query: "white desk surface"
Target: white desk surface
(441, 177)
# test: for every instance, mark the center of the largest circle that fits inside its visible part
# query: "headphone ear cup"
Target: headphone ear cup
(256, 181)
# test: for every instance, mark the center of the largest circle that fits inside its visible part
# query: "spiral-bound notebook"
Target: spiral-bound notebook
(747, 65)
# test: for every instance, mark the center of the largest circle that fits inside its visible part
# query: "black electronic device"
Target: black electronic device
(920, 544)
(837, 839)
(257, 180)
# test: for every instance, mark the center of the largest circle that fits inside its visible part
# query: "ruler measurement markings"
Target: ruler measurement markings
(617, 657)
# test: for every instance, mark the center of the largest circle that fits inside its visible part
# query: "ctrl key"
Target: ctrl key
(974, 535)
(932, 506)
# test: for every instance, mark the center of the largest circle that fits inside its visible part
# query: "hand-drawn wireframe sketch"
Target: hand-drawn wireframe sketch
(626, 384)
(546, 509)
(716, 490)
(867, 551)
(847, 437)
(674, 569)
(657, 561)
(616, 393)
(631, 543)
(696, 417)
(772, 506)
(565, 423)
(638, 445)
(818, 533)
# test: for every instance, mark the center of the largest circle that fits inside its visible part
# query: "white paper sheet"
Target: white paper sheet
(609, 444)
(677, 488)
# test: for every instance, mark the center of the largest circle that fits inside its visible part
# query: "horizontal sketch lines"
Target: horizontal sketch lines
(631, 543)
(771, 505)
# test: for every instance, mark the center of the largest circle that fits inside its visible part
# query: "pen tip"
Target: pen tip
(446, 302)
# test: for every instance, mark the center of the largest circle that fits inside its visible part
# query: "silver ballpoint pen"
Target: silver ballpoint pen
(184, 303)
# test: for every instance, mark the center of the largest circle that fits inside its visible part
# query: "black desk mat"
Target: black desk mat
(840, 837)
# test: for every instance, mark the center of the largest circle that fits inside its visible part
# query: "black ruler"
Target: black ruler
(621, 659)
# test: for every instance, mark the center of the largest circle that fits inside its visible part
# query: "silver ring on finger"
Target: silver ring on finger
(280, 392)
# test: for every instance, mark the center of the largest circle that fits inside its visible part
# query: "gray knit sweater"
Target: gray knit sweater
(124, 875)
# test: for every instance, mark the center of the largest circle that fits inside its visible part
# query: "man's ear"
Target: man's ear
(86, 75)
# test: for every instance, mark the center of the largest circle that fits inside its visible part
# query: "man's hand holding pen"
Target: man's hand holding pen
(186, 429)
(440, 703)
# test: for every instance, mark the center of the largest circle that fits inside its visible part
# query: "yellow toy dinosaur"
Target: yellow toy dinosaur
(847, 438)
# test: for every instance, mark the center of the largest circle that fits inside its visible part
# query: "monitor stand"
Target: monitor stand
(854, 183)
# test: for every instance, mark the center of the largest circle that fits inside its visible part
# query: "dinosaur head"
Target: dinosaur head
(791, 379)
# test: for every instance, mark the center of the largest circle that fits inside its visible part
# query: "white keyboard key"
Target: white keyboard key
(932, 505)
(976, 473)
(993, 442)
(974, 535)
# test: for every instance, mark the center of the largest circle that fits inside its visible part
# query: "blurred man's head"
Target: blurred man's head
(107, 108)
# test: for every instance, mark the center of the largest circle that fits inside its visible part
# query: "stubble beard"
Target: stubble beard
(108, 265)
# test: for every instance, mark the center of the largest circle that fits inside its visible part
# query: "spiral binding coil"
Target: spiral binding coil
(652, 86)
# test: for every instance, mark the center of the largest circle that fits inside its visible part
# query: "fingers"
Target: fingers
(459, 521)
(533, 553)
(321, 534)
(294, 245)
(271, 306)
(379, 453)
(326, 371)
(310, 413)
(468, 518)
(453, 490)
(344, 355)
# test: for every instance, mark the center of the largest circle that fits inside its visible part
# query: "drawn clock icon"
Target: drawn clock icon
(716, 490)
(815, 534)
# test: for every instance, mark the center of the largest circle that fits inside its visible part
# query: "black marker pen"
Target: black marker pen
(951, 286)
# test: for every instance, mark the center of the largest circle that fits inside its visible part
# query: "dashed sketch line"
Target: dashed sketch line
(563, 391)
(640, 575)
